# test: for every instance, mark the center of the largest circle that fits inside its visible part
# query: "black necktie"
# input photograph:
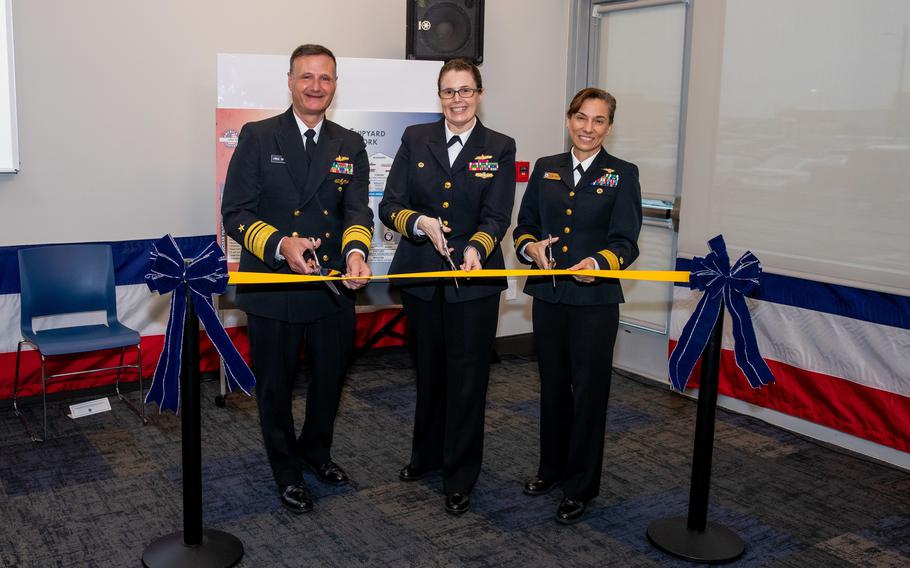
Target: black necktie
(581, 172)
(453, 140)
(310, 144)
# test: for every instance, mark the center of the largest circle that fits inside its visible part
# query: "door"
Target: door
(637, 52)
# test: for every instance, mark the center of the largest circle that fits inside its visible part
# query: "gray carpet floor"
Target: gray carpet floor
(103, 487)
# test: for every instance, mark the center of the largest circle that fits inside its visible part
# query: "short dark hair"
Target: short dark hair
(592, 93)
(308, 49)
(460, 65)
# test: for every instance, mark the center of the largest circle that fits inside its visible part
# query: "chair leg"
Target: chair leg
(16, 377)
(139, 372)
(140, 412)
(44, 395)
(16, 410)
(119, 370)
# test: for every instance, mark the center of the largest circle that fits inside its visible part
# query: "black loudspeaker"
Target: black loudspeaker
(445, 29)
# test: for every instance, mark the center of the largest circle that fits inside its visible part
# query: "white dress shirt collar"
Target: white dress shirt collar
(463, 136)
(584, 164)
(455, 149)
(303, 127)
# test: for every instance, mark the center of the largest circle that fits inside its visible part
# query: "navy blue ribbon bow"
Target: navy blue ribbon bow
(719, 282)
(206, 275)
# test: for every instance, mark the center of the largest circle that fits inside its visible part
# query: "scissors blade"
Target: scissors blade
(323, 271)
(550, 260)
(329, 283)
(445, 247)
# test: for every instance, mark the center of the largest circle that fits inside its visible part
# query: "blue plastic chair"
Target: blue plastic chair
(71, 279)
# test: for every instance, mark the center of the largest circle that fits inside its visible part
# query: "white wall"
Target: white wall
(116, 102)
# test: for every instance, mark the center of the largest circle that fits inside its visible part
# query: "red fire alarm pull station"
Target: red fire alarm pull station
(522, 171)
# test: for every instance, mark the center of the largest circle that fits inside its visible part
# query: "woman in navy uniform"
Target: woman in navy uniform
(450, 194)
(581, 210)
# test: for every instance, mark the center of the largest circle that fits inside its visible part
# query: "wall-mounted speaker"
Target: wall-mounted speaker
(445, 29)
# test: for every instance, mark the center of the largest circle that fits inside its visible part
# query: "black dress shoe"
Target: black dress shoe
(457, 503)
(411, 473)
(330, 472)
(538, 486)
(296, 499)
(569, 511)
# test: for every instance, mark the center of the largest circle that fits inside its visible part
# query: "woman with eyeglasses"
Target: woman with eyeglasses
(581, 211)
(450, 194)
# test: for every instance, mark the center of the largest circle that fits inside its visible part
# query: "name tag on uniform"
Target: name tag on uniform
(277, 159)
(552, 175)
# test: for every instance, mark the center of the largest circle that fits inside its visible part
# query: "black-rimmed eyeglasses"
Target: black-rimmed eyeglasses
(464, 92)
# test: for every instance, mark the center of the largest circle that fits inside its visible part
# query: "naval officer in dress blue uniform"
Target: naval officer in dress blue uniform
(581, 210)
(295, 197)
(450, 194)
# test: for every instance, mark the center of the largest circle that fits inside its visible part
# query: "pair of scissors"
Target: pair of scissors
(445, 247)
(551, 262)
(322, 271)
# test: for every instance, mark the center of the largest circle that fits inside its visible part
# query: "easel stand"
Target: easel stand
(194, 546)
(693, 538)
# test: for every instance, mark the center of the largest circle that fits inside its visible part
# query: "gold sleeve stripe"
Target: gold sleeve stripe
(247, 237)
(485, 240)
(522, 238)
(612, 260)
(357, 233)
(490, 240)
(251, 234)
(358, 229)
(401, 220)
(256, 236)
(258, 241)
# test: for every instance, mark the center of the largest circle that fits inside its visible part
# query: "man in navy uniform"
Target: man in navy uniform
(296, 198)
(450, 194)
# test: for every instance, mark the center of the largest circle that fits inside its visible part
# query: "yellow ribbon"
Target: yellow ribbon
(651, 275)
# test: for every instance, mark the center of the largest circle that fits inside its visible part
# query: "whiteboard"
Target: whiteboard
(9, 137)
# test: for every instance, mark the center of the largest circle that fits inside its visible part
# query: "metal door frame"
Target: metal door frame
(584, 46)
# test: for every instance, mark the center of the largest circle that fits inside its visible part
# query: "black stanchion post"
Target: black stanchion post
(703, 451)
(192, 428)
(693, 538)
(193, 547)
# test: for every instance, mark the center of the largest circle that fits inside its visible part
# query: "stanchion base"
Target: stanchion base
(218, 550)
(716, 545)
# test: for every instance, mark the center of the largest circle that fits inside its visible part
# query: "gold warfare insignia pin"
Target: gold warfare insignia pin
(341, 158)
(609, 170)
(551, 175)
(482, 157)
(483, 175)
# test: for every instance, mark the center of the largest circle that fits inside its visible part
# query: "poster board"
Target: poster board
(378, 98)
(9, 131)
